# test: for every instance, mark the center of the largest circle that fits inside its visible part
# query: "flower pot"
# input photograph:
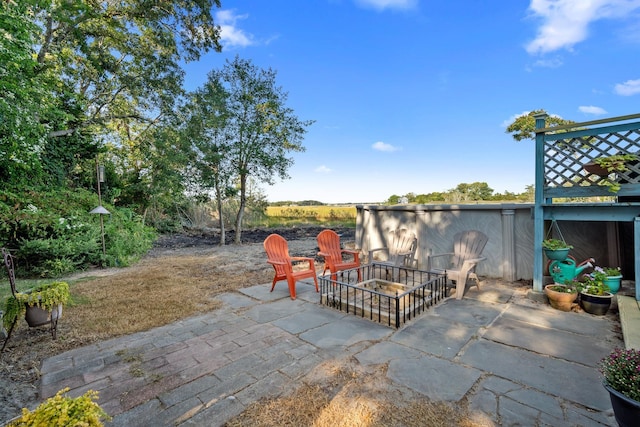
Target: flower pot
(36, 316)
(557, 254)
(560, 300)
(626, 410)
(596, 304)
(595, 169)
(613, 282)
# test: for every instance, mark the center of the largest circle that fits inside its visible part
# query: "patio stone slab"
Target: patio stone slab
(557, 343)
(541, 372)
(350, 330)
(432, 377)
(435, 335)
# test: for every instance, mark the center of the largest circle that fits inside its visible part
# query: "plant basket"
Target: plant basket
(557, 254)
(595, 169)
(36, 316)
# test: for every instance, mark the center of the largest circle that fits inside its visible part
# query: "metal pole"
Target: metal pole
(100, 178)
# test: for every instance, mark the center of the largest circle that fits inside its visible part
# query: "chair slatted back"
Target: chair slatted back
(329, 243)
(277, 249)
(468, 245)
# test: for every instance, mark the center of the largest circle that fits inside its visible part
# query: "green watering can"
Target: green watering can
(567, 269)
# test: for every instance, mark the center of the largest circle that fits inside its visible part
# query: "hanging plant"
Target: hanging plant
(47, 297)
(604, 166)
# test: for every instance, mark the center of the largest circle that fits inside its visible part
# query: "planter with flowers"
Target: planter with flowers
(40, 306)
(561, 297)
(605, 166)
(621, 372)
(556, 249)
(595, 297)
(612, 277)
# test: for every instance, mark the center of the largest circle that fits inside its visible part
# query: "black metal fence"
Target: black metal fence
(384, 294)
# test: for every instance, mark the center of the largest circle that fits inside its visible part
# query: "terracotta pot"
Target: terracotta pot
(560, 300)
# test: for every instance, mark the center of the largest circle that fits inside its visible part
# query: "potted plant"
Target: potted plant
(40, 305)
(611, 276)
(606, 165)
(63, 410)
(556, 249)
(595, 297)
(621, 372)
(561, 297)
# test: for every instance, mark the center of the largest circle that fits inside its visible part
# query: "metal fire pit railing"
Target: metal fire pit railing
(384, 294)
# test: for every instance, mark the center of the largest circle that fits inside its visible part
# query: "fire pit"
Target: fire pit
(388, 295)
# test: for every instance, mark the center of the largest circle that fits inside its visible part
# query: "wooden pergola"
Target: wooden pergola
(565, 191)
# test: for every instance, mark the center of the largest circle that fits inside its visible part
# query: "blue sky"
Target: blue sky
(414, 95)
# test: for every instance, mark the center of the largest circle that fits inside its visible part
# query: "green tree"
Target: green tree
(206, 118)
(260, 129)
(394, 199)
(99, 71)
(26, 97)
(523, 127)
(472, 192)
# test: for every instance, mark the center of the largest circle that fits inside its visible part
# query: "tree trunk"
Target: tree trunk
(220, 218)
(243, 201)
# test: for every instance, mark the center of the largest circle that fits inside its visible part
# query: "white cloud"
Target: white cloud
(628, 88)
(590, 109)
(565, 22)
(383, 146)
(548, 63)
(323, 169)
(230, 34)
(388, 4)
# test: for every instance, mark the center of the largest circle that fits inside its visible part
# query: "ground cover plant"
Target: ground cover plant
(179, 278)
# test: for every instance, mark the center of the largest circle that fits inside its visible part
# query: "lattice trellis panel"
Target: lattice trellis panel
(565, 156)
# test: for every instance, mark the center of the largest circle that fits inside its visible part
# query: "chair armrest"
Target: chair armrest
(350, 251)
(301, 258)
(371, 251)
(431, 257)
(277, 262)
(473, 261)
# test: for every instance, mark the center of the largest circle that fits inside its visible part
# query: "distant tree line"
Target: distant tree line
(464, 193)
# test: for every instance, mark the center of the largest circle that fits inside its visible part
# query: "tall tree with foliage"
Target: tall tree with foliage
(524, 126)
(259, 129)
(26, 97)
(205, 128)
(117, 68)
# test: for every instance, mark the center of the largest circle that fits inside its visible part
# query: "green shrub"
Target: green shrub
(62, 410)
(52, 233)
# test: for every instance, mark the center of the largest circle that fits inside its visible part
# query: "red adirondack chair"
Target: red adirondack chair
(277, 251)
(330, 249)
